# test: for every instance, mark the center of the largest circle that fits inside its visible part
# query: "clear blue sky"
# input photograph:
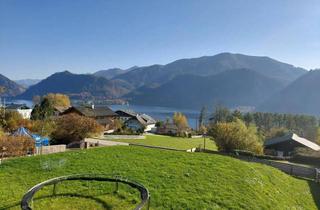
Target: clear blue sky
(40, 37)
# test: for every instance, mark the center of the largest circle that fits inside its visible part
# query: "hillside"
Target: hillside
(232, 88)
(176, 180)
(110, 73)
(155, 75)
(11, 88)
(27, 82)
(78, 86)
(302, 96)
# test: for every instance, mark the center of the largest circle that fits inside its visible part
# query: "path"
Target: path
(105, 142)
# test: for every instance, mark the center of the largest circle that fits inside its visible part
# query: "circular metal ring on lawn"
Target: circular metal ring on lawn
(144, 193)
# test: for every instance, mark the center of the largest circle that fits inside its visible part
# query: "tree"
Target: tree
(236, 135)
(74, 128)
(276, 132)
(58, 99)
(203, 130)
(13, 120)
(181, 121)
(221, 114)
(41, 127)
(202, 116)
(159, 124)
(118, 125)
(43, 110)
(1, 132)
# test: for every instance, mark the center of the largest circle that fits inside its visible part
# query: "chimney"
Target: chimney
(92, 106)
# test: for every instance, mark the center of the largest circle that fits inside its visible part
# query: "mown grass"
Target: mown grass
(176, 180)
(172, 142)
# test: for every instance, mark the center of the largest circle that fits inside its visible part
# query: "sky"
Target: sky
(40, 37)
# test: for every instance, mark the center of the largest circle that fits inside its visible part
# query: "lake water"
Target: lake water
(158, 113)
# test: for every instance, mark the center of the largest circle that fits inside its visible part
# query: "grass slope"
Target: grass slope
(172, 142)
(176, 180)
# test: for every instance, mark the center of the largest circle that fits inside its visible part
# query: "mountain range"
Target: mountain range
(301, 96)
(9, 87)
(27, 82)
(156, 75)
(78, 86)
(230, 79)
(241, 87)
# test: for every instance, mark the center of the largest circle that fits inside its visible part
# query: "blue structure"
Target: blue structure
(39, 141)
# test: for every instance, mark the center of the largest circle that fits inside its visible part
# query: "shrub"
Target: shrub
(41, 127)
(236, 135)
(74, 128)
(11, 146)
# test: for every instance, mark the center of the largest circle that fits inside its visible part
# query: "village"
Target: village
(53, 125)
(123, 124)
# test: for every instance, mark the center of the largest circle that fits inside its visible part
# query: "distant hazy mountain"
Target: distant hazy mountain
(223, 78)
(78, 86)
(10, 87)
(156, 75)
(110, 73)
(301, 96)
(27, 82)
(232, 88)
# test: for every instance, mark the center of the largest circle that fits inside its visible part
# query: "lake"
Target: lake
(158, 113)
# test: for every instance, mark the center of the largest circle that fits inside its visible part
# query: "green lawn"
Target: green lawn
(176, 180)
(172, 142)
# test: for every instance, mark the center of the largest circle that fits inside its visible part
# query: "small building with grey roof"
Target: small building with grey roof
(285, 145)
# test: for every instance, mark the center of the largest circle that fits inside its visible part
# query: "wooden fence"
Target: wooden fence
(52, 149)
(289, 168)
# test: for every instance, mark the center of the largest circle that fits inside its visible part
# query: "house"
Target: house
(285, 145)
(58, 110)
(136, 121)
(150, 122)
(167, 129)
(22, 109)
(125, 115)
(139, 122)
(103, 115)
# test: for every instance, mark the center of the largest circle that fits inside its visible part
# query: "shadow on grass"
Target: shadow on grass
(98, 200)
(315, 191)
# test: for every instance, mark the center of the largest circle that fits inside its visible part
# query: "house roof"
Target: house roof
(292, 137)
(141, 120)
(149, 120)
(61, 108)
(127, 113)
(17, 106)
(92, 112)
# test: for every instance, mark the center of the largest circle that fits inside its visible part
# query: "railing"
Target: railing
(144, 193)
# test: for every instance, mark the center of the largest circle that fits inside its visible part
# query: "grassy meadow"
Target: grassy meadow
(172, 142)
(176, 180)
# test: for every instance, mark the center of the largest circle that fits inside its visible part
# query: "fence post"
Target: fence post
(291, 169)
(117, 187)
(54, 189)
(317, 175)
